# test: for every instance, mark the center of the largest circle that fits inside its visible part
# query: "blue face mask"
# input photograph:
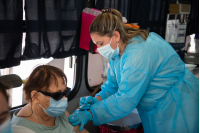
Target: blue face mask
(107, 51)
(6, 127)
(56, 107)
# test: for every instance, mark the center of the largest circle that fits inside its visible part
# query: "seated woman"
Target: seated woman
(46, 93)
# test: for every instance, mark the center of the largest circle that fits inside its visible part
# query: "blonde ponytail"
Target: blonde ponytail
(109, 22)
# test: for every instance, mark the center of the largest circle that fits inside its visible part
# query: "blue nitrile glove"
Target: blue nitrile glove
(86, 102)
(80, 117)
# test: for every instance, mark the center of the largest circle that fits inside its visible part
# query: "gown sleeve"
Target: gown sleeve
(110, 87)
(132, 87)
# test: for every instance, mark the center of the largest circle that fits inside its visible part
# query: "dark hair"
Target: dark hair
(3, 89)
(108, 22)
(41, 78)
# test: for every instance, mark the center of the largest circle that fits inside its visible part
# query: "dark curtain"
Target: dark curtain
(193, 23)
(52, 28)
(11, 15)
(149, 14)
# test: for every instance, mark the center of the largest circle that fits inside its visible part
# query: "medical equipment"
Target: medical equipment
(79, 108)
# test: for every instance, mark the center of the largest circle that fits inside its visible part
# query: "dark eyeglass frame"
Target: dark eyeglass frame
(57, 95)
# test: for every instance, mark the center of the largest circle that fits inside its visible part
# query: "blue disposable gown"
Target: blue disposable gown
(151, 77)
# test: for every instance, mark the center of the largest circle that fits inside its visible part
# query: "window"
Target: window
(68, 65)
(96, 70)
(26, 67)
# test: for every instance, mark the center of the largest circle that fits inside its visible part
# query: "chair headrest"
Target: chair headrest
(11, 81)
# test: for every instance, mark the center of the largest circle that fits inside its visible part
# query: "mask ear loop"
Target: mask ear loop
(118, 47)
(117, 43)
(41, 105)
(111, 39)
(31, 107)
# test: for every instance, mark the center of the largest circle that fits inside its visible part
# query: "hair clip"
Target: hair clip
(108, 10)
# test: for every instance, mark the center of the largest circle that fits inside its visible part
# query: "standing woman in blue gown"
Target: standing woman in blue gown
(145, 73)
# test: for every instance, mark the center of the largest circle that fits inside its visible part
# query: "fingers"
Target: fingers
(76, 123)
(85, 100)
(85, 107)
(82, 101)
(89, 99)
(81, 127)
(73, 118)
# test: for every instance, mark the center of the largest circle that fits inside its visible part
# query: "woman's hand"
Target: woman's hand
(86, 102)
(76, 128)
(80, 117)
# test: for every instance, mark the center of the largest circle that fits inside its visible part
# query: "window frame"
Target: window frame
(78, 71)
(78, 75)
(78, 79)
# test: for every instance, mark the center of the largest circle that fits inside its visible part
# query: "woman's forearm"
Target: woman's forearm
(76, 129)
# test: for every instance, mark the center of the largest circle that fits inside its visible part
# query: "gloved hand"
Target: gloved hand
(80, 117)
(87, 102)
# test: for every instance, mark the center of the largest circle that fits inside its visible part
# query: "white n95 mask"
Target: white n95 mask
(56, 107)
(107, 51)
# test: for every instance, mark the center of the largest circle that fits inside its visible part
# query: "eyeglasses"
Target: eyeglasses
(57, 95)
